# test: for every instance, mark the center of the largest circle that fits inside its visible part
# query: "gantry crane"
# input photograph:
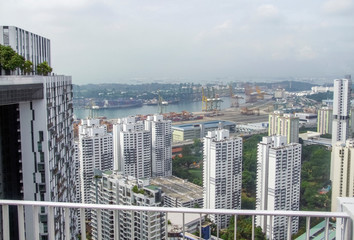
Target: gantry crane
(234, 99)
(161, 104)
(210, 103)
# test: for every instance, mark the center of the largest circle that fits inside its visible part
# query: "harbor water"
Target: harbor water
(114, 113)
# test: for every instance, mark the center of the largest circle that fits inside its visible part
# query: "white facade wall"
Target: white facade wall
(324, 120)
(341, 107)
(95, 152)
(161, 145)
(222, 174)
(132, 148)
(351, 123)
(343, 171)
(278, 183)
(273, 123)
(29, 45)
(115, 188)
(284, 125)
(46, 135)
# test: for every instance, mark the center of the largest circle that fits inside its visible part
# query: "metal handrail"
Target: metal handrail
(35, 205)
(178, 210)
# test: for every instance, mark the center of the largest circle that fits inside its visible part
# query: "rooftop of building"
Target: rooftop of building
(27, 79)
(178, 188)
(318, 231)
(208, 124)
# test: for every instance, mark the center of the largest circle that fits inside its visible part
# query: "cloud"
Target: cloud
(338, 6)
(41, 5)
(215, 31)
(306, 53)
(188, 37)
(225, 25)
(267, 12)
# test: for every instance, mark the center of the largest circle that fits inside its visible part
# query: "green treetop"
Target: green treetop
(9, 59)
(44, 69)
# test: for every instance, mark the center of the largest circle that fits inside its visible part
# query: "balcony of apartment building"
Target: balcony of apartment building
(342, 219)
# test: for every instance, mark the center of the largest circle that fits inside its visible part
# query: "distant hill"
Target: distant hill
(290, 86)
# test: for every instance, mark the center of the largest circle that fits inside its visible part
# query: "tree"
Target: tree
(44, 69)
(15, 62)
(244, 229)
(27, 67)
(186, 151)
(9, 59)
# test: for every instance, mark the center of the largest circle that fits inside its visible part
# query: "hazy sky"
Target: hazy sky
(186, 40)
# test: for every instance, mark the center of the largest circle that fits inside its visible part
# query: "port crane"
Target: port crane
(162, 105)
(211, 102)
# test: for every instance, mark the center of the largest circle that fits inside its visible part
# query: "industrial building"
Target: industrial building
(190, 131)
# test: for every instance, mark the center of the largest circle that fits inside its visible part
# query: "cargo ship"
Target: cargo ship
(120, 103)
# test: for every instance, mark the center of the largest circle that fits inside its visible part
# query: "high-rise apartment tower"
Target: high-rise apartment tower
(342, 171)
(95, 152)
(115, 188)
(161, 145)
(222, 173)
(36, 145)
(132, 148)
(324, 120)
(341, 107)
(284, 125)
(278, 183)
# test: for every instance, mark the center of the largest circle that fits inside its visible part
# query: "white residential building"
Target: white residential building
(324, 120)
(341, 107)
(115, 188)
(351, 123)
(132, 148)
(31, 46)
(284, 125)
(95, 152)
(222, 173)
(278, 183)
(161, 145)
(36, 146)
(343, 171)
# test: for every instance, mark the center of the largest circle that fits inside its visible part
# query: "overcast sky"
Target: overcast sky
(190, 40)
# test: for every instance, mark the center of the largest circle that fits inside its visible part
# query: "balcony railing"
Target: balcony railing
(344, 219)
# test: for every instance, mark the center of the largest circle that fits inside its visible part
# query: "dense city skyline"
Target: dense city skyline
(115, 41)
